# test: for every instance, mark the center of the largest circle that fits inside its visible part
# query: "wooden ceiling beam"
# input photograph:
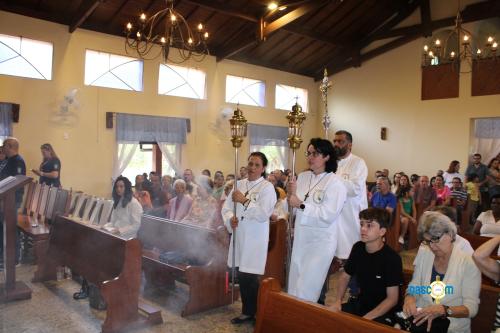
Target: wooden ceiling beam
(425, 18)
(86, 9)
(240, 47)
(223, 9)
(270, 27)
(471, 13)
(356, 59)
(402, 14)
(304, 32)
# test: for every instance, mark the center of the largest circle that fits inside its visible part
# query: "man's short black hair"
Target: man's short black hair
(380, 215)
(347, 135)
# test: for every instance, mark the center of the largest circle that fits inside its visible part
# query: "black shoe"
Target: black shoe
(240, 320)
(82, 294)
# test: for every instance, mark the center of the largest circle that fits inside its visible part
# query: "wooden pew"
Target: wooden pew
(206, 281)
(108, 261)
(279, 312)
(35, 226)
(275, 265)
(483, 321)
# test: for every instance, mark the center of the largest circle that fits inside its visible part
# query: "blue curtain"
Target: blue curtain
(5, 119)
(137, 128)
(264, 135)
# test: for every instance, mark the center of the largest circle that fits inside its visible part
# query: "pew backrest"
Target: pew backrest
(79, 205)
(89, 205)
(35, 201)
(74, 199)
(99, 256)
(94, 217)
(107, 208)
(280, 312)
(51, 201)
(42, 207)
(28, 197)
(193, 241)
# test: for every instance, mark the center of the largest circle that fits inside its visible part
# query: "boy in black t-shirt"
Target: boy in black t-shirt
(378, 270)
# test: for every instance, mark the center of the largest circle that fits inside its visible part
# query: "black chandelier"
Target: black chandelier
(154, 36)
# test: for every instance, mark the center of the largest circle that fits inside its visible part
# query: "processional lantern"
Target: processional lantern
(238, 125)
(296, 120)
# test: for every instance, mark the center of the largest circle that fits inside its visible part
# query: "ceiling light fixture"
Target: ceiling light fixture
(154, 36)
(457, 48)
(272, 6)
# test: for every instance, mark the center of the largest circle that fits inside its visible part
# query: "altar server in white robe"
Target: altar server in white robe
(352, 171)
(318, 196)
(255, 199)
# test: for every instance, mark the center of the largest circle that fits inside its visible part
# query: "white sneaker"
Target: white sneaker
(401, 240)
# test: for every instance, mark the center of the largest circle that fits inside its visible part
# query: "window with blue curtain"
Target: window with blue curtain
(272, 141)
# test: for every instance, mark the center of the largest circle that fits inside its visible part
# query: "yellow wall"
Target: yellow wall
(86, 148)
(422, 136)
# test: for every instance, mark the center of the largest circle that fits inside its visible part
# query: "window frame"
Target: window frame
(115, 54)
(264, 100)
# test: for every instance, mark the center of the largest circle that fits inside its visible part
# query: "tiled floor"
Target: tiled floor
(52, 309)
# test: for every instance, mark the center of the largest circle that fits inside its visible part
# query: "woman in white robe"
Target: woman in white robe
(255, 198)
(317, 196)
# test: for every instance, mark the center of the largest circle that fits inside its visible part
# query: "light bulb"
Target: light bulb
(452, 54)
(272, 6)
(163, 40)
(205, 35)
(490, 40)
(437, 42)
(138, 34)
(129, 26)
(173, 18)
(426, 48)
(478, 52)
(466, 38)
(190, 41)
(143, 17)
(200, 27)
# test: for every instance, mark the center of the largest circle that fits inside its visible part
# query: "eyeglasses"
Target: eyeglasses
(433, 240)
(312, 153)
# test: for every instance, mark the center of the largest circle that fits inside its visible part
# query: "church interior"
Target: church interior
(358, 65)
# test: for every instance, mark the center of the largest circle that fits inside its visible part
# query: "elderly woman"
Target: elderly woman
(179, 206)
(442, 259)
(204, 205)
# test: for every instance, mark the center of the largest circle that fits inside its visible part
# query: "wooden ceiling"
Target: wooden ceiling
(305, 38)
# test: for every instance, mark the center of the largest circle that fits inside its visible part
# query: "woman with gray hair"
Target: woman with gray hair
(453, 278)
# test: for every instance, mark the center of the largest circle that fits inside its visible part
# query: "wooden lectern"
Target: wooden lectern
(11, 290)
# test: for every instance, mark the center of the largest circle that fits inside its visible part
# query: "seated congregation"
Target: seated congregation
(206, 233)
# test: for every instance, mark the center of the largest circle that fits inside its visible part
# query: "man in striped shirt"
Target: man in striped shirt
(458, 198)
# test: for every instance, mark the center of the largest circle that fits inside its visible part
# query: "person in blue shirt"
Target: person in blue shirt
(15, 166)
(50, 168)
(384, 198)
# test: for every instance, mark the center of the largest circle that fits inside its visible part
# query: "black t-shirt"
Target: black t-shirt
(15, 166)
(51, 165)
(374, 272)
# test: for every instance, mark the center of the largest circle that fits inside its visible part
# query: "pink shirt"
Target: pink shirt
(442, 195)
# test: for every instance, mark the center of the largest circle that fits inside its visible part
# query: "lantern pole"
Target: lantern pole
(323, 88)
(238, 125)
(295, 121)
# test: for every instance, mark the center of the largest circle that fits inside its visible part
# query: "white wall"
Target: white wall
(423, 136)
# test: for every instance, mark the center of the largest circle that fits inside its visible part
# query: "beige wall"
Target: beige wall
(422, 136)
(86, 148)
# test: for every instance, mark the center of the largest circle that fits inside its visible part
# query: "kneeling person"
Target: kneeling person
(377, 268)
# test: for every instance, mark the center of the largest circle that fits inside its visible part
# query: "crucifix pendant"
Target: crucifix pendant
(306, 196)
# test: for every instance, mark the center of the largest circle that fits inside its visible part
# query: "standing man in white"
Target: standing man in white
(353, 172)
(318, 196)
